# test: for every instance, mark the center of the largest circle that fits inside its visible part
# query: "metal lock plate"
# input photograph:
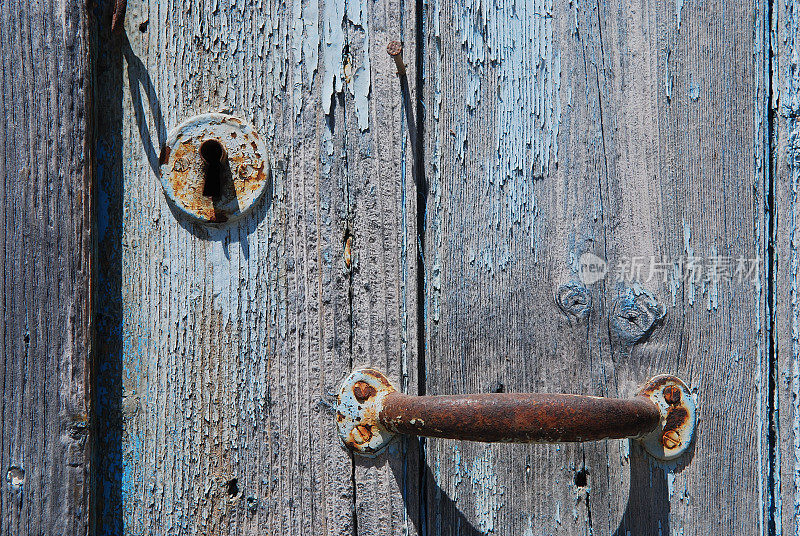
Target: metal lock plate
(359, 403)
(674, 434)
(214, 168)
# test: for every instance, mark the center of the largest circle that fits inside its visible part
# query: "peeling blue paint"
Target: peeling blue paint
(694, 88)
(687, 237)
(332, 52)
(361, 86)
(487, 493)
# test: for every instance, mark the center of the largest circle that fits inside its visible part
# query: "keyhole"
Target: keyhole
(213, 155)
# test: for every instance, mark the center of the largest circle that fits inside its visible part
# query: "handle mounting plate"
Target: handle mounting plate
(360, 402)
(674, 434)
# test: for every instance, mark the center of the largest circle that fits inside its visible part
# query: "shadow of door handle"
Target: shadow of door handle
(371, 412)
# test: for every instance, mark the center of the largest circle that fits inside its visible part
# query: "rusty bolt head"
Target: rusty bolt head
(672, 394)
(362, 434)
(181, 165)
(395, 50)
(363, 391)
(670, 439)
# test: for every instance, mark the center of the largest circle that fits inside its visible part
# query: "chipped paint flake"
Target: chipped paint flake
(297, 54)
(355, 8)
(337, 69)
(519, 40)
(457, 473)
(311, 42)
(687, 238)
(511, 44)
(694, 89)
(361, 86)
(488, 496)
(332, 52)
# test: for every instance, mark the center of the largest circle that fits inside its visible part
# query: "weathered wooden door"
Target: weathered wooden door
(558, 197)
(437, 227)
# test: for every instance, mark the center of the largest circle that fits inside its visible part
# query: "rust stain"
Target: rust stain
(654, 385)
(359, 435)
(348, 251)
(363, 391)
(672, 394)
(360, 400)
(678, 417)
(189, 190)
(186, 187)
(363, 433)
(372, 373)
(675, 418)
(164, 156)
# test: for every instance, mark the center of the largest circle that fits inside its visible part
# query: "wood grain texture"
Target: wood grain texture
(786, 169)
(629, 129)
(225, 347)
(46, 249)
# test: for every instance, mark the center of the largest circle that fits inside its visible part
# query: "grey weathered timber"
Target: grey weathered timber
(46, 249)
(632, 129)
(224, 347)
(785, 306)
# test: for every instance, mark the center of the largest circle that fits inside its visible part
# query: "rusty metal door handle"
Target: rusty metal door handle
(371, 412)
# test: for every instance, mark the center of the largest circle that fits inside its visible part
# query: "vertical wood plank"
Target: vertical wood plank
(228, 344)
(784, 297)
(46, 249)
(685, 97)
(383, 276)
(509, 203)
(628, 131)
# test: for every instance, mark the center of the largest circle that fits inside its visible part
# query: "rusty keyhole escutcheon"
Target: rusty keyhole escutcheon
(214, 168)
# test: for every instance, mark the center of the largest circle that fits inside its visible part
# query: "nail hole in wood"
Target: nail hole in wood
(232, 487)
(581, 478)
